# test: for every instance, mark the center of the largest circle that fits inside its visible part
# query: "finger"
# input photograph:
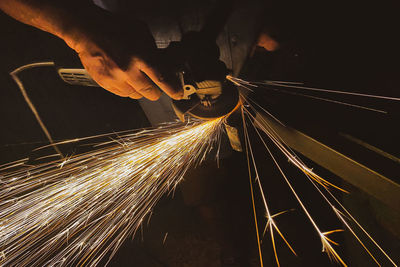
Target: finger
(122, 89)
(108, 85)
(119, 80)
(114, 90)
(143, 85)
(174, 92)
(128, 91)
(113, 80)
(135, 95)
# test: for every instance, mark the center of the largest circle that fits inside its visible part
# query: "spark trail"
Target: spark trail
(77, 210)
(259, 124)
(298, 89)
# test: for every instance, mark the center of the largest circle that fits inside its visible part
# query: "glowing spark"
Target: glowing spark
(293, 85)
(270, 218)
(276, 86)
(290, 155)
(165, 238)
(76, 210)
(273, 216)
(325, 234)
(315, 181)
(326, 246)
(328, 249)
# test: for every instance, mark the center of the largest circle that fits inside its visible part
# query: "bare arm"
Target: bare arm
(55, 17)
(121, 56)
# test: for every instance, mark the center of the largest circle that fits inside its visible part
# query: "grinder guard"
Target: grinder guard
(207, 93)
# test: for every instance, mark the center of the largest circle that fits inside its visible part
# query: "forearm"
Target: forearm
(64, 19)
(119, 54)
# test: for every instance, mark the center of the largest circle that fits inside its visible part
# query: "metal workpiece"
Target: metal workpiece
(234, 138)
(358, 175)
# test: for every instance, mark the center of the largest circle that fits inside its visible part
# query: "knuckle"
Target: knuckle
(135, 96)
(147, 89)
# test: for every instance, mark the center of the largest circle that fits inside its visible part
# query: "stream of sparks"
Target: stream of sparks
(259, 124)
(77, 210)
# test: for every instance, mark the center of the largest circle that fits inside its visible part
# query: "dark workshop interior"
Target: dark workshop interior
(342, 45)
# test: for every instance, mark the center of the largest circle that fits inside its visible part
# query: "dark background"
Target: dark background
(344, 45)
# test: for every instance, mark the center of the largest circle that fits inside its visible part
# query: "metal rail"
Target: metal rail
(369, 181)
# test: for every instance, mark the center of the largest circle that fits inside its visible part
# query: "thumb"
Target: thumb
(167, 82)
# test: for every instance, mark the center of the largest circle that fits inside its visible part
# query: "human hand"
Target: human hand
(121, 57)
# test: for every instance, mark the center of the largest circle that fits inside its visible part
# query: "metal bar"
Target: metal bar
(369, 181)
